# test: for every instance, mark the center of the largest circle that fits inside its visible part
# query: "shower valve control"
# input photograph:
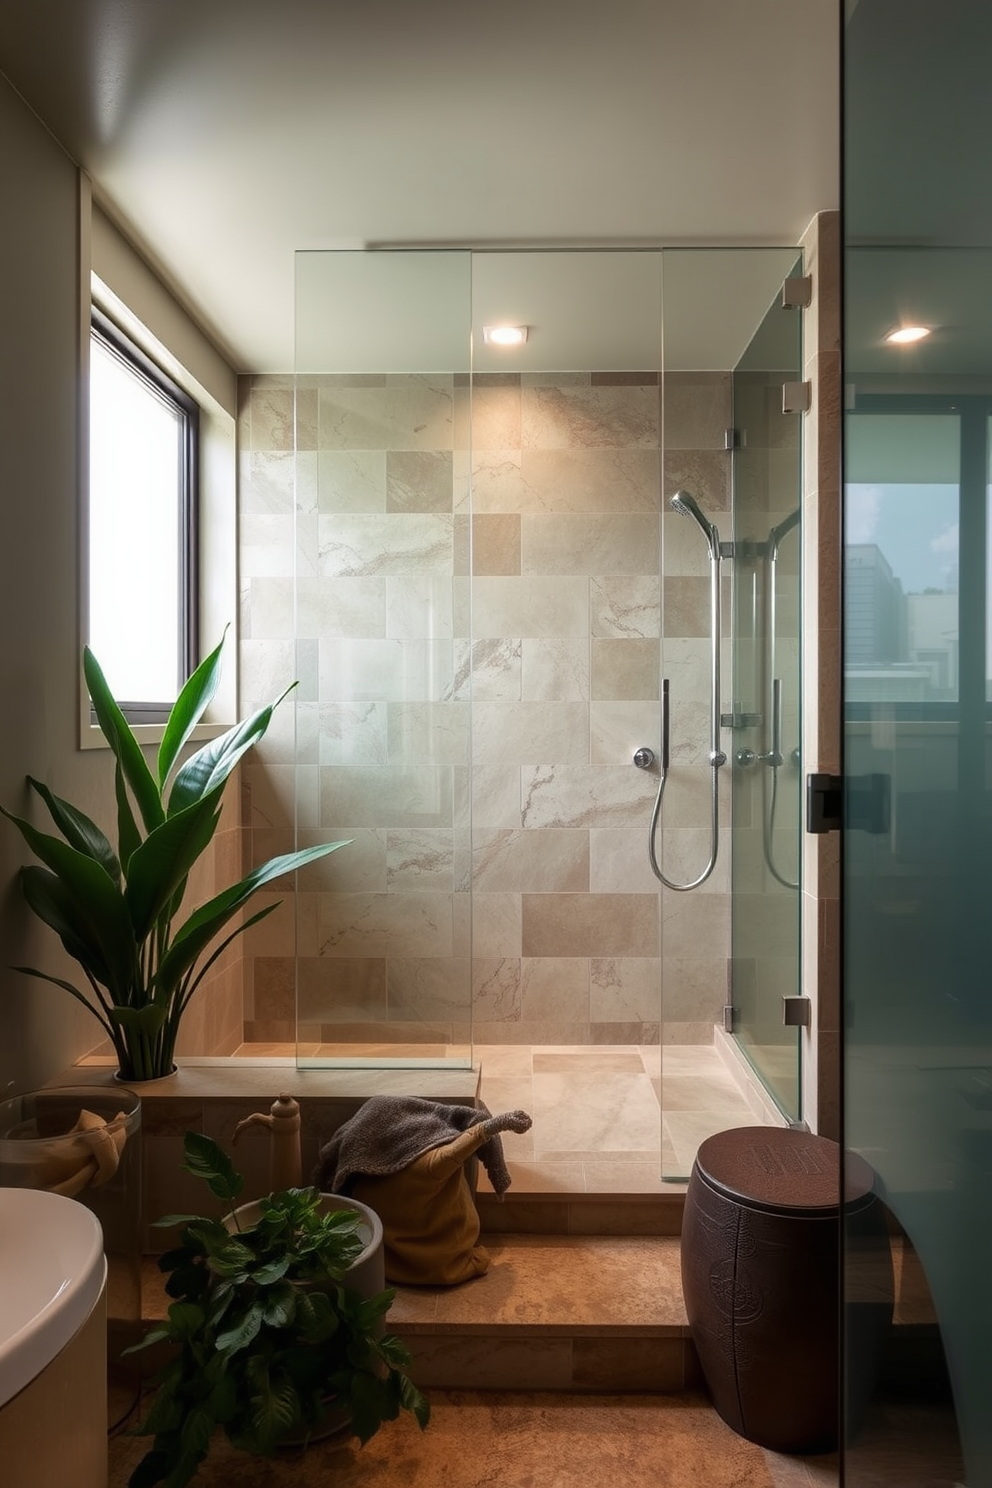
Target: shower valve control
(644, 758)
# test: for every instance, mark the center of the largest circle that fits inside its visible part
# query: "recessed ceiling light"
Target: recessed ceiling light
(906, 335)
(504, 335)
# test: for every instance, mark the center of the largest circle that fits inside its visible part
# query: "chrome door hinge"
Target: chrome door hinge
(731, 439)
(797, 397)
(797, 292)
(728, 1018)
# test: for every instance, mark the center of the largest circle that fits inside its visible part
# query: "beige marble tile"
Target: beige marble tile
(585, 417)
(583, 1114)
(420, 859)
(501, 1060)
(554, 988)
(497, 670)
(495, 411)
(617, 729)
(549, 606)
(352, 481)
(583, 795)
(697, 410)
(542, 860)
(590, 545)
(497, 480)
(687, 1129)
(704, 472)
(403, 923)
(353, 545)
(496, 544)
(395, 670)
(618, 861)
(589, 924)
(526, 733)
(686, 609)
(352, 607)
(496, 924)
(496, 989)
(625, 988)
(400, 796)
(427, 733)
(563, 480)
(419, 607)
(418, 480)
(587, 1062)
(625, 607)
(625, 670)
(555, 669)
(410, 413)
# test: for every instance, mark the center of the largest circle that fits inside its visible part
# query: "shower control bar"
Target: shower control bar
(686, 505)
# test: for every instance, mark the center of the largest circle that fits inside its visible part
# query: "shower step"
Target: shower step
(553, 1312)
(556, 1312)
(551, 1212)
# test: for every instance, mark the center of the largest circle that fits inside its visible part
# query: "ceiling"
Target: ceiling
(225, 135)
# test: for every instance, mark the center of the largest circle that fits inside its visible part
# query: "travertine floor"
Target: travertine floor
(481, 1440)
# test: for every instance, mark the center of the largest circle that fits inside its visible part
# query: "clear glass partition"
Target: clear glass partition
(381, 634)
(730, 946)
(766, 715)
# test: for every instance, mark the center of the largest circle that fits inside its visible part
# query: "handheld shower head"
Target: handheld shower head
(687, 506)
(777, 533)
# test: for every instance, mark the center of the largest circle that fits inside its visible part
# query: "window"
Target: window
(142, 525)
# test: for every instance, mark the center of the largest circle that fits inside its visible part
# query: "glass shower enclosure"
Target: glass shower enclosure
(490, 591)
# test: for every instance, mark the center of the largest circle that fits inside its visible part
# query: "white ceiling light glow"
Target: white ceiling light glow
(504, 335)
(906, 335)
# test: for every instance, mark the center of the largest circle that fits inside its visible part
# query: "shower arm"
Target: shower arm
(716, 754)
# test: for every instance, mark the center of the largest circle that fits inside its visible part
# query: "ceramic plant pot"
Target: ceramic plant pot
(366, 1275)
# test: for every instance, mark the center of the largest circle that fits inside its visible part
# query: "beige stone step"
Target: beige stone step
(553, 1312)
(556, 1312)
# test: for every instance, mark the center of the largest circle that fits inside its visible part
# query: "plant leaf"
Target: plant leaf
(204, 923)
(243, 1332)
(161, 864)
(78, 830)
(128, 836)
(86, 909)
(206, 1159)
(43, 976)
(188, 709)
(126, 748)
(210, 766)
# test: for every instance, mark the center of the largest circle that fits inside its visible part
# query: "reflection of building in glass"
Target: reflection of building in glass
(899, 647)
(933, 639)
(875, 632)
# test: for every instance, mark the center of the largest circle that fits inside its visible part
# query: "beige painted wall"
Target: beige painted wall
(44, 285)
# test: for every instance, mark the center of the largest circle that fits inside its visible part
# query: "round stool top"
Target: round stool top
(779, 1169)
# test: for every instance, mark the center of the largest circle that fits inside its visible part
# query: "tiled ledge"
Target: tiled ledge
(213, 1095)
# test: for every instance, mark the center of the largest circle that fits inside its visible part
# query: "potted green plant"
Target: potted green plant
(268, 1335)
(118, 910)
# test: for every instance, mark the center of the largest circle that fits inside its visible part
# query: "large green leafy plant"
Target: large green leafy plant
(117, 909)
(267, 1335)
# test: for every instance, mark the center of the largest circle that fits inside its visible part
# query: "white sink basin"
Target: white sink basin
(52, 1270)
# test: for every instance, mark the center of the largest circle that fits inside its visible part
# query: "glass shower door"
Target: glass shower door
(764, 753)
(381, 633)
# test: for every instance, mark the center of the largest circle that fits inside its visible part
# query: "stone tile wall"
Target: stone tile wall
(474, 679)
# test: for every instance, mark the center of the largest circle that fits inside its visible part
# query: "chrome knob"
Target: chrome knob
(644, 758)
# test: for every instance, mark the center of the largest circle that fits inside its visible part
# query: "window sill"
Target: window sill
(92, 737)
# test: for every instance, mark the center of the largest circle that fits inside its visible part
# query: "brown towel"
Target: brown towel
(389, 1131)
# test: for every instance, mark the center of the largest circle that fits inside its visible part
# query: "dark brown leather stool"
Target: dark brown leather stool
(761, 1279)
